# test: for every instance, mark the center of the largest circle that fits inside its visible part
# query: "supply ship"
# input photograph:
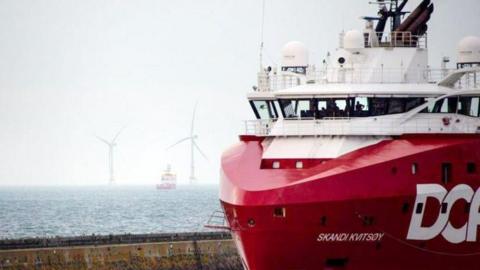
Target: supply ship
(168, 180)
(368, 160)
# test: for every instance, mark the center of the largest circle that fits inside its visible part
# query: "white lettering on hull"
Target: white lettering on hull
(442, 225)
(350, 237)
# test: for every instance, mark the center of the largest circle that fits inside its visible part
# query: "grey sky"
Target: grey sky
(72, 69)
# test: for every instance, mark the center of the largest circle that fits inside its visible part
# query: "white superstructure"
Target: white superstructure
(374, 86)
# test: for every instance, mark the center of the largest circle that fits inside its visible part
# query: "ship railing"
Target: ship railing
(396, 39)
(260, 127)
(351, 74)
(469, 81)
(217, 221)
(439, 123)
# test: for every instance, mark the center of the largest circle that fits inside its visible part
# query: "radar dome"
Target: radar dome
(353, 39)
(468, 50)
(294, 54)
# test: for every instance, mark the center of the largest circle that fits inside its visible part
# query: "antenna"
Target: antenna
(193, 146)
(261, 34)
(111, 148)
(394, 12)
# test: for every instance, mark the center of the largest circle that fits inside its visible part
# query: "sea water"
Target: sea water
(69, 211)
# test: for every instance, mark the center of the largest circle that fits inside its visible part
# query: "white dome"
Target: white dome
(468, 50)
(294, 54)
(353, 39)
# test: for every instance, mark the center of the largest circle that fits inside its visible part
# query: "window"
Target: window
(279, 212)
(468, 106)
(378, 106)
(340, 108)
(446, 105)
(288, 107)
(446, 172)
(396, 105)
(475, 107)
(299, 164)
(264, 109)
(413, 103)
(276, 165)
(319, 108)
(299, 70)
(414, 168)
(303, 106)
(332, 107)
(361, 106)
(471, 168)
(322, 105)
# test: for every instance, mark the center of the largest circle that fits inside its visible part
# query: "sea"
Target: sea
(74, 211)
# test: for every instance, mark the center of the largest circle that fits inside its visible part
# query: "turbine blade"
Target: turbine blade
(180, 141)
(193, 118)
(199, 150)
(118, 134)
(102, 140)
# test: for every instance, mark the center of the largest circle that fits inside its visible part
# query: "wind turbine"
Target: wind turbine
(193, 146)
(111, 147)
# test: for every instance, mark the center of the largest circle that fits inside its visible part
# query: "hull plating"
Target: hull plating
(352, 212)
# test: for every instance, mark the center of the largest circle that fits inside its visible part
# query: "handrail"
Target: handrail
(357, 75)
(442, 123)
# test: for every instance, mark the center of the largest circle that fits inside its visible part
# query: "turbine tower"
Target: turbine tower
(111, 148)
(193, 146)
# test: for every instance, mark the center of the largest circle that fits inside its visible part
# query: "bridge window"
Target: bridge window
(378, 106)
(468, 106)
(346, 107)
(413, 103)
(446, 105)
(264, 109)
(288, 107)
(361, 106)
(305, 108)
(464, 105)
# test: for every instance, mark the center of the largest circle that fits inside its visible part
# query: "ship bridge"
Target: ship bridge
(376, 83)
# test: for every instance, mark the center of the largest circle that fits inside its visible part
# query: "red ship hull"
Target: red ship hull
(352, 212)
(166, 186)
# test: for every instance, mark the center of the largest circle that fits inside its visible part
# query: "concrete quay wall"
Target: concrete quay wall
(216, 254)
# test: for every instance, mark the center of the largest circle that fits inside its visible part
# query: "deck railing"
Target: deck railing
(397, 39)
(273, 82)
(439, 123)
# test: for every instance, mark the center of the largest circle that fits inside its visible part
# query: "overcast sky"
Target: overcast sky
(70, 70)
